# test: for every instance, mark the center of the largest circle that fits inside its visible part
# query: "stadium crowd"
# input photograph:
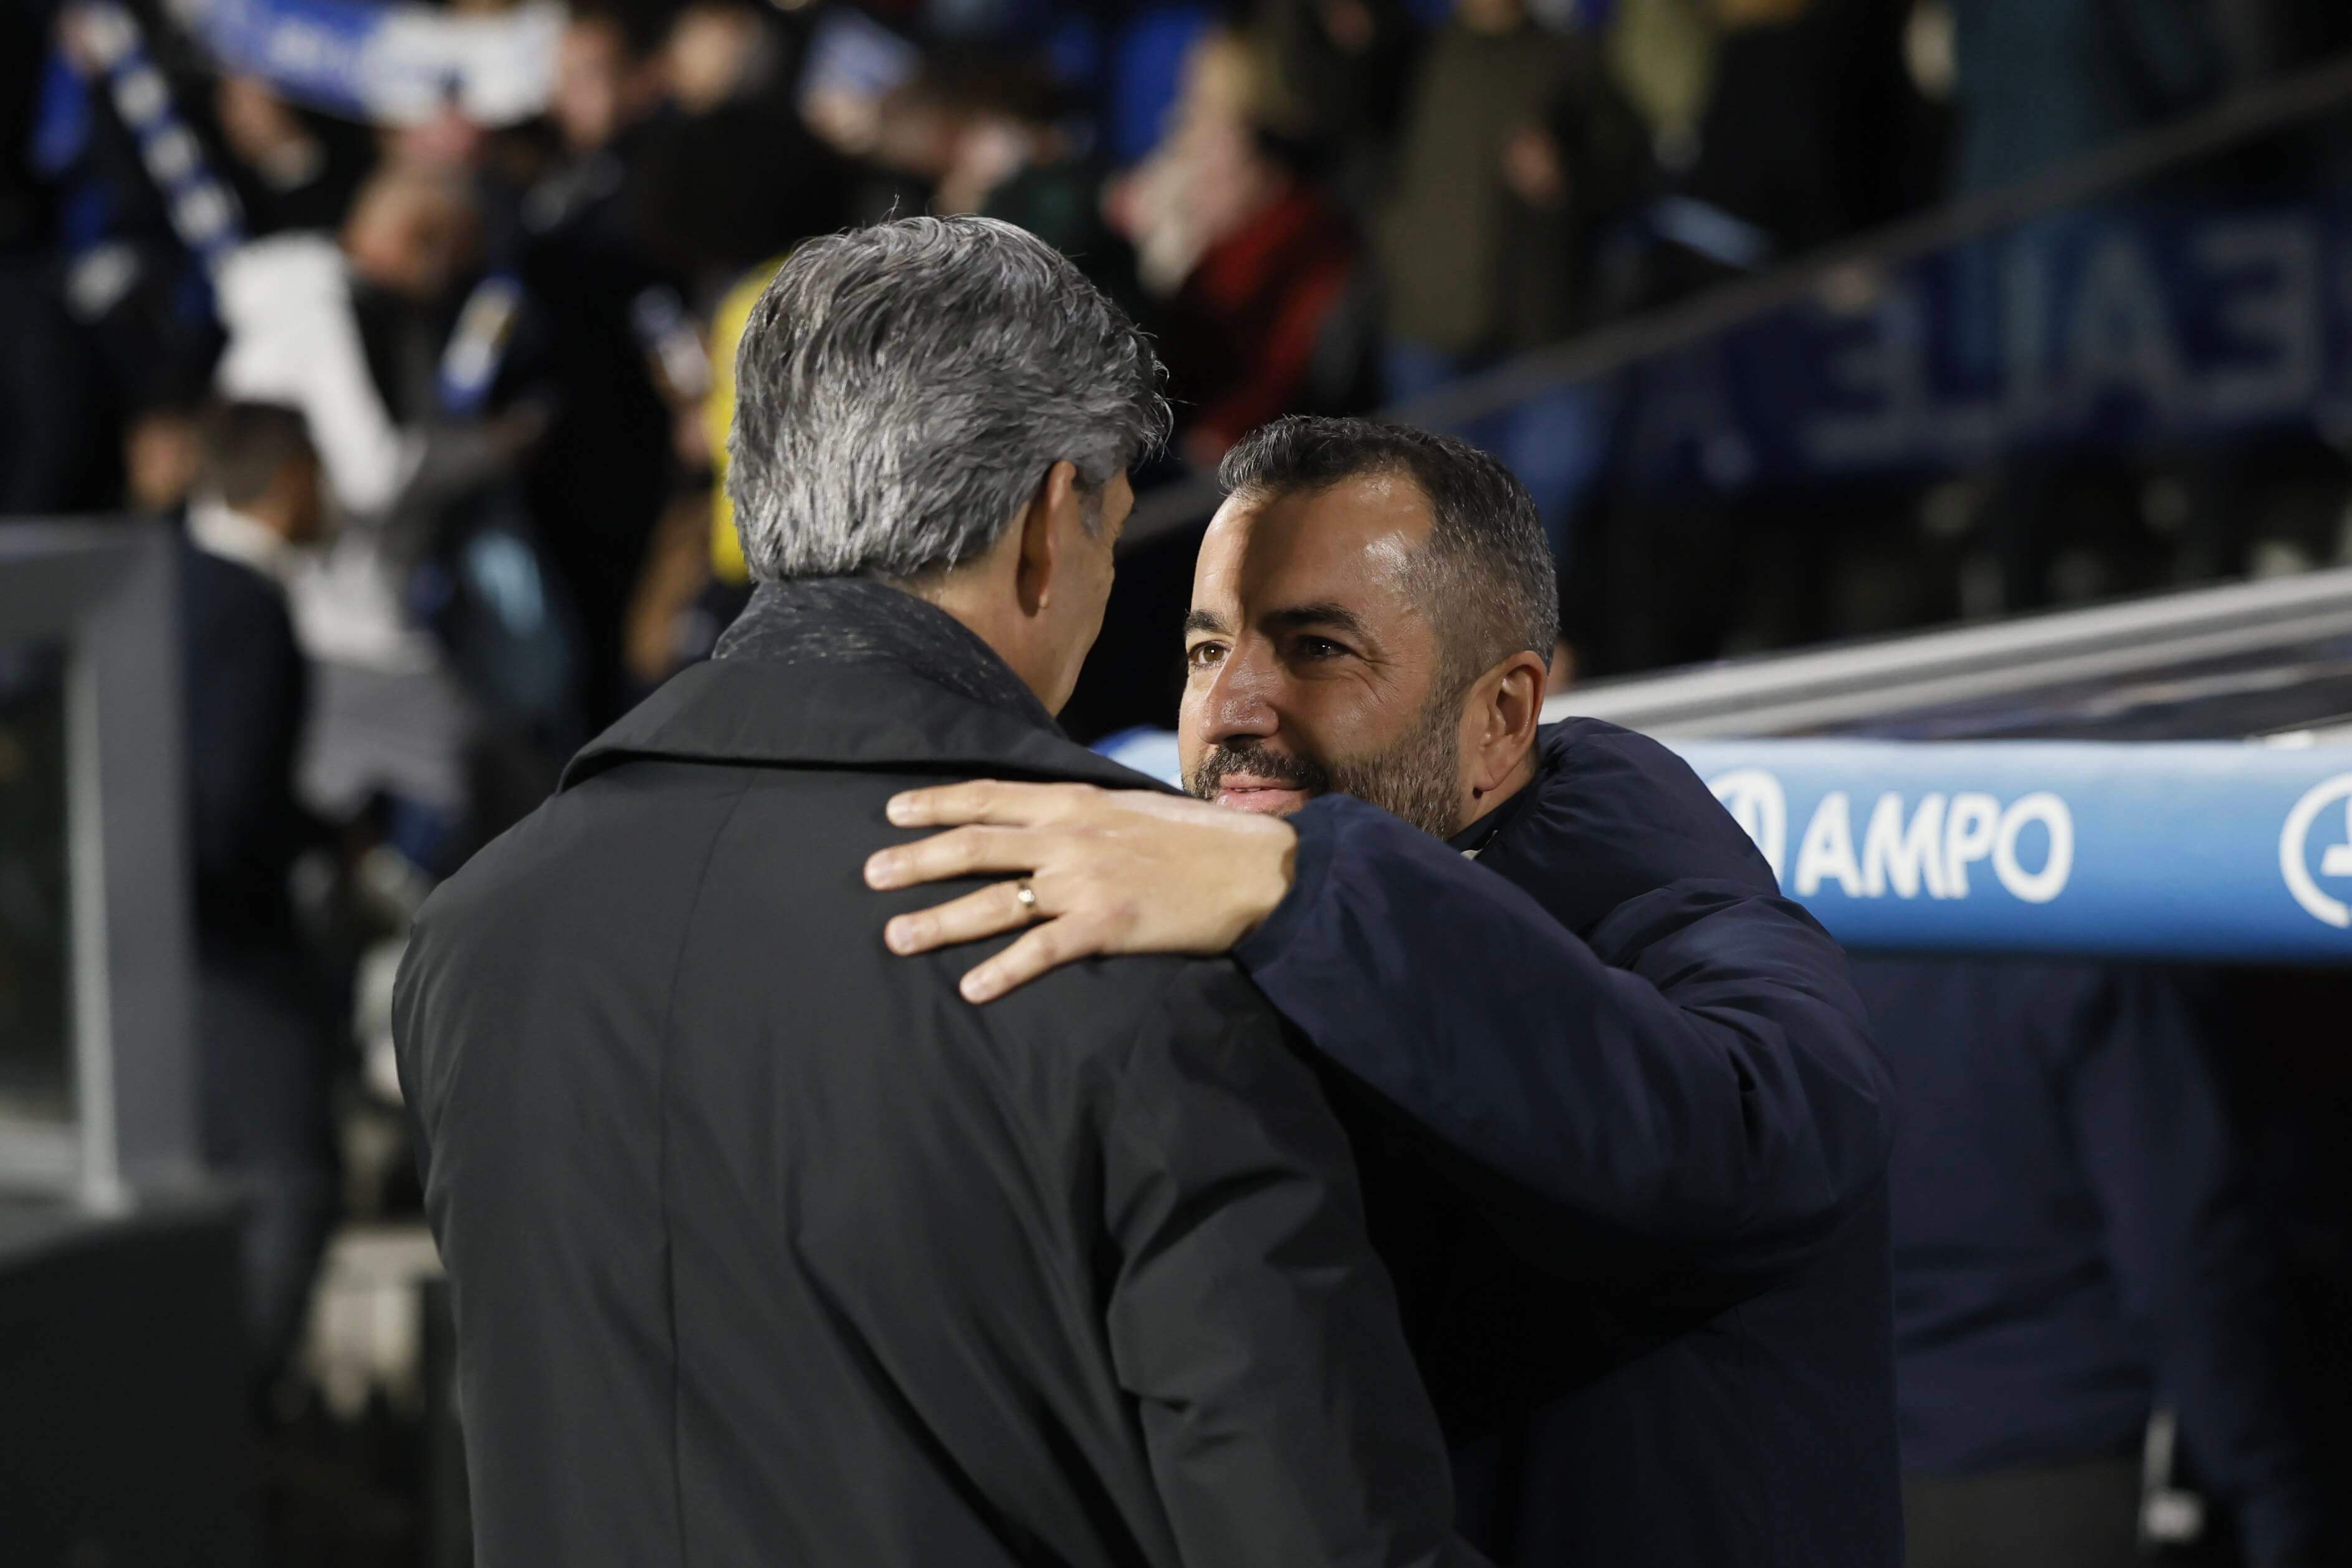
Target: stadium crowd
(456, 386)
(507, 354)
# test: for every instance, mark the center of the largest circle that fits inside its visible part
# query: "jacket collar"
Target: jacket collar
(858, 620)
(219, 529)
(883, 705)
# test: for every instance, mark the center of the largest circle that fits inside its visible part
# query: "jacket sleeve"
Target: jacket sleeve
(1695, 1070)
(2158, 1152)
(1247, 1315)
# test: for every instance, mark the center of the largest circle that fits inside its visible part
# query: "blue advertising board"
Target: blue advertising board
(2181, 850)
(2221, 851)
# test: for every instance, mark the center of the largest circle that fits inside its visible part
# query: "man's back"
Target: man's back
(769, 1248)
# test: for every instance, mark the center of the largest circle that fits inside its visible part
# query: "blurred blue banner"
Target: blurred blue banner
(2123, 326)
(2222, 851)
(397, 63)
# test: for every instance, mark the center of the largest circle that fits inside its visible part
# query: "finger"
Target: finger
(1046, 948)
(993, 802)
(963, 852)
(975, 915)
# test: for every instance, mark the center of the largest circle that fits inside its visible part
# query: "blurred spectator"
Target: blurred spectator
(1261, 324)
(291, 170)
(347, 329)
(25, 56)
(1806, 135)
(1662, 54)
(1478, 254)
(717, 51)
(993, 137)
(599, 480)
(1030, 170)
(2039, 83)
(1173, 204)
(261, 1026)
(731, 174)
(1810, 134)
(1516, 149)
(394, 353)
(121, 306)
(1146, 74)
(608, 77)
(162, 453)
(1343, 69)
(54, 428)
(2043, 81)
(2073, 1244)
(1254, 260)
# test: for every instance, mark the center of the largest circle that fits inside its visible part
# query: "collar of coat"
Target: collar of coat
(843, 673)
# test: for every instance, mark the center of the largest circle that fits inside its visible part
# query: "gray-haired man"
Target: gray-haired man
(765, 1248)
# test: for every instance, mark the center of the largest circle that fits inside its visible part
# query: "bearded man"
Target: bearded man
(1622, 1125)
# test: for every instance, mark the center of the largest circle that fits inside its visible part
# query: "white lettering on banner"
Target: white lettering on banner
(2120, 340)
(2275, 311)
(2080, 329)
(1827, 848)
(1969, 829)
(1757, 802)
(1904, 857)
(1924, 848)
(1881, 373)
(2295, 852)
(2040, 887)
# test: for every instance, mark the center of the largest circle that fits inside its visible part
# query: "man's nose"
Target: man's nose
(1241, 700)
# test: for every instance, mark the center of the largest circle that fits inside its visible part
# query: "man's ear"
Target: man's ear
(1054, 512)
(1506, 707)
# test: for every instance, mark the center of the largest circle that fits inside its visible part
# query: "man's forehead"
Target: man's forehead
(1350, 542)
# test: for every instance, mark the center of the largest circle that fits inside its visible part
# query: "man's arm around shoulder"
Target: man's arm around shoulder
(1586, 1011)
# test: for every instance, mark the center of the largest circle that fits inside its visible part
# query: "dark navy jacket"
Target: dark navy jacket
(2073, 1232)
(248, 692)
(1625, 1134)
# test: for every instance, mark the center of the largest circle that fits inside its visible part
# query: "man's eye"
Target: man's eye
(1204, 656)
(1320, 647)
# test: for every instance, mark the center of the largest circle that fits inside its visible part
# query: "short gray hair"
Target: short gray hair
(902, 390)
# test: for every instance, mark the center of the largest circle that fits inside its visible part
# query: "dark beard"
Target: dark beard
(1418, 779)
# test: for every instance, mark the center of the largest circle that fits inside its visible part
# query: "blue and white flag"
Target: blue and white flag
(396, 64)
(203, 211)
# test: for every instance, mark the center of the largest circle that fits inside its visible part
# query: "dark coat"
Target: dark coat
(261, 1016)
(1625, 1134)
(2074, 1230)
(247, 693)
(768, 1248)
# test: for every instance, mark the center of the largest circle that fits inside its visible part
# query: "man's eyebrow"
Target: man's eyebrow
(1304, 617)
(1204, 621)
